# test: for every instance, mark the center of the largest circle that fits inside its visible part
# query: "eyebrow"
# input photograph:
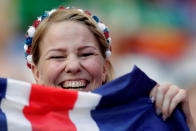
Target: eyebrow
(64, 50)
(87, 46)
(55, 50)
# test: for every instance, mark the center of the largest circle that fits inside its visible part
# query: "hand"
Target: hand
(167, 97)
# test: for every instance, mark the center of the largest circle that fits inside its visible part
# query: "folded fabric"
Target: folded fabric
(120, 105)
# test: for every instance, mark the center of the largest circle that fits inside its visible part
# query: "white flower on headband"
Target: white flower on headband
(108, 54)
(31, 31)
(29, 59)
(101, 26)
(25, 47)
(39, 18)
(81, 10)
(50, 12)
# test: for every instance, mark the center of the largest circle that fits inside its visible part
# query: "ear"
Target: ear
(105, 70)
(35, 72)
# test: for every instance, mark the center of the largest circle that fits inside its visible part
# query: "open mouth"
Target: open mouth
(74, 84)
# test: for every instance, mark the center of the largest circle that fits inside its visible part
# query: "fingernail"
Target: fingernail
(164, 117)
(152, 98)
(158, 111)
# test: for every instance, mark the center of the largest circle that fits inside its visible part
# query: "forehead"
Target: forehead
(67, 29)
(67, 32)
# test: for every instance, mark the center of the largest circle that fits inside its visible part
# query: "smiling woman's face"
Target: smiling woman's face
(70, 57)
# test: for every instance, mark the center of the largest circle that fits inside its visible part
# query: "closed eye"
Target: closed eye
(57, 57)
(86, 54)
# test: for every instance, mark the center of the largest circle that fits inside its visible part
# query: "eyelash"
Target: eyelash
(86, 54)
(82, 55)
(57, 57)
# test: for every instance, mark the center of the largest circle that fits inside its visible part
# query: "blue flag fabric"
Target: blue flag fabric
(125, 103)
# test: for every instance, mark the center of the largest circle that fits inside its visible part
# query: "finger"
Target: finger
(186, 105)
(186, 110)
(152, 94)
(169, 95)
(179, 97)
(161, 90)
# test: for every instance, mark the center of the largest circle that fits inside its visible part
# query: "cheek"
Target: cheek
(94, 67)
(50, 72)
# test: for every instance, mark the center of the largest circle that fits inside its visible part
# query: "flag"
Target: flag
(120, 105)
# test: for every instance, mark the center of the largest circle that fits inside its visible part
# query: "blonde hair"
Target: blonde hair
(70, 15)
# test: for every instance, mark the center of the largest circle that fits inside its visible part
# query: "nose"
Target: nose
(72, 65)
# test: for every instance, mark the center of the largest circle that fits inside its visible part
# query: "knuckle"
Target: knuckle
(184, 91)
(184, 94)
(167, 84)
(162, 88)
(174, 87)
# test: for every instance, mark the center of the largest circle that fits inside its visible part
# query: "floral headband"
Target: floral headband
(32, 29)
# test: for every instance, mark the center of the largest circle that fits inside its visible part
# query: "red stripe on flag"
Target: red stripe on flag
(49, 108)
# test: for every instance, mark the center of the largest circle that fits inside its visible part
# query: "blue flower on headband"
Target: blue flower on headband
(44, 16)
(96, 18)
(28, 40)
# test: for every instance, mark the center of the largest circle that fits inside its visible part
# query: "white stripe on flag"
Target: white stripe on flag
(17, 96)
(80, 115)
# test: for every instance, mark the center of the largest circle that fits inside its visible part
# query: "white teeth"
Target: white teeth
(80, 83)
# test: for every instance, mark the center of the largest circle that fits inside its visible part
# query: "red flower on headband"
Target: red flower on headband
(62, 8)
(106, 34)
(36, 23)
(28, 51)
(29, 65)
(88, 13)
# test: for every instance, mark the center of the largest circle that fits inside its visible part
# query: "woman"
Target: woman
(70, 48)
